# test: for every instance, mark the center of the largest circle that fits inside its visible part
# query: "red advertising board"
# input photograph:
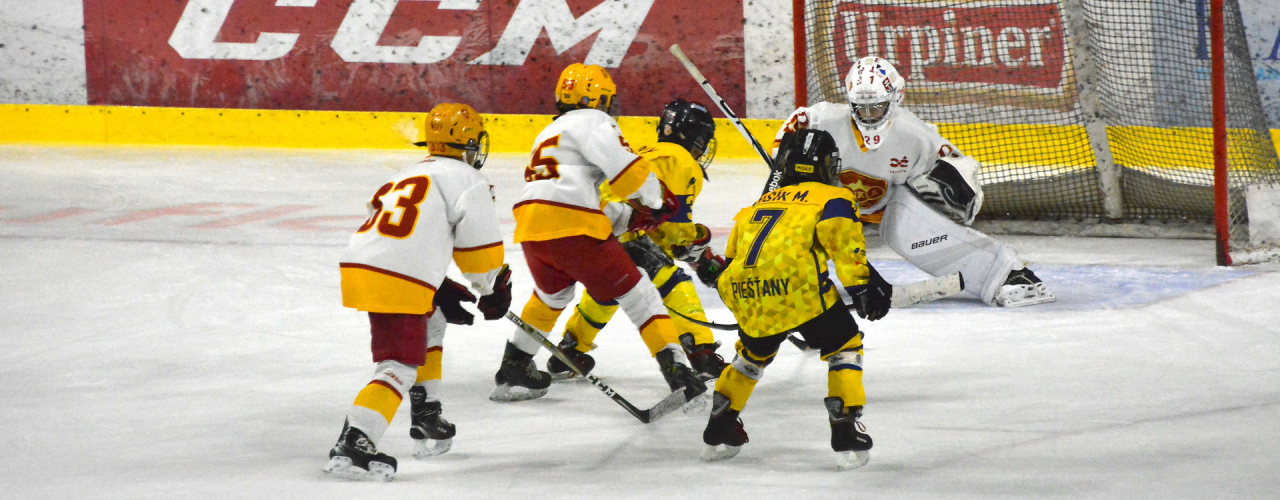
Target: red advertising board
(501, 56)
(1015, 44)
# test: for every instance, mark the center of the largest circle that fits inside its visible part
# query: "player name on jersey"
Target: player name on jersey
(753, 288)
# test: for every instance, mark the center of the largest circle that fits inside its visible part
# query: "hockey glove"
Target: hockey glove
(708, 267)
(871, 301)
(691, 252)
(448, 300)
(644, 218)
(495, 305)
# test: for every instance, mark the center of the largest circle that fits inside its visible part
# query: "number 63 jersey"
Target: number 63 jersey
(779, 277)
(426, 214)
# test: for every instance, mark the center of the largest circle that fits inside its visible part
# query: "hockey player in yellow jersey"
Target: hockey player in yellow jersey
(439, 210)
(567, 238)
(679, 159)
(777, 282)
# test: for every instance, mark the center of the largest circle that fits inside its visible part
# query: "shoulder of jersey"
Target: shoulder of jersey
(830, 112)
(587, 115)
(451, 168)
(907, 122)
(658, 149)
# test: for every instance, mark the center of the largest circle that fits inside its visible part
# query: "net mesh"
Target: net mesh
(1078, 109)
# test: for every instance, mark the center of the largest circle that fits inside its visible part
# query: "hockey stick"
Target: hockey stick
(903, 295)
(775, 175)
(668, 404)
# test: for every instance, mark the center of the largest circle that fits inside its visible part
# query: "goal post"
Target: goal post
(1106, 117)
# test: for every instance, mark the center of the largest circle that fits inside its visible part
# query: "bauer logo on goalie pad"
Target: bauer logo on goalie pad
(925, 243)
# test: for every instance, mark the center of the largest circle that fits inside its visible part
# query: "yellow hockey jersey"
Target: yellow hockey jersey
(780, 245)
(422, 216)
(683, 176)
(579, 152)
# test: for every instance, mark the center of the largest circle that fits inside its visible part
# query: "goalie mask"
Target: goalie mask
(808, 155)
(456, 131)
(875, 92)
(690, 125)
(586, 86)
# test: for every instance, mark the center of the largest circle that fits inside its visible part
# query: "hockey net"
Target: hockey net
(1081, 111)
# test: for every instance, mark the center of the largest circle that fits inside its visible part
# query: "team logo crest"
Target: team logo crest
(867, 190)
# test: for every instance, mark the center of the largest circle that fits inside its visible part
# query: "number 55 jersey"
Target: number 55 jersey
(778, 277)
(426, 214)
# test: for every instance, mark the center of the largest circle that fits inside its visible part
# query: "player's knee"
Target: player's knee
(845, 360)
(395, 375)
(641, 303)
(677, 281)
(749, 369)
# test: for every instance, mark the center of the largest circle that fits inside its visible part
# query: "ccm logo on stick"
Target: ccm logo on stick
(925, 243)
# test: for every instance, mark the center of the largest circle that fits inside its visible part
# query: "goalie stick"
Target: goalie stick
(903, 295)
(668, 404)
(775, 175)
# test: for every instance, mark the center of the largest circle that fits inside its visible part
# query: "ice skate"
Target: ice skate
(679, 374)
(703, 358)
(724, 435)
(560, 371)
(517, 378)
(354, 457)
(432, 434)
(848, 436)
(1023, 288)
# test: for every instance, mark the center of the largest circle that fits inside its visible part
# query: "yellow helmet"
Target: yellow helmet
(455, 130)
(586, 86)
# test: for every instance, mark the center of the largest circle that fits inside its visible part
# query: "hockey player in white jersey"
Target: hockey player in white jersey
(394, 267)
(921, 190)
(567, 239)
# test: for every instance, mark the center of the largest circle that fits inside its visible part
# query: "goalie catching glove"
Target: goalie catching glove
(952, 187)
(449, 299)
(495, 305)
(871, 301)
(698, 254)
(644, 218)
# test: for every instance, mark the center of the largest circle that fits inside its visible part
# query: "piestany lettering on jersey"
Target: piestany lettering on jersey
(756, 288)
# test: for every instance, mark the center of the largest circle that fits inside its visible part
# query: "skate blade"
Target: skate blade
(509, 394)
(698, 404)
(340, 467)
(566, 377)
(716, 454)
(427, 448)
(846, 460)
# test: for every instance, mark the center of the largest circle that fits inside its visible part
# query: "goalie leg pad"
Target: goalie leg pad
(940, 247)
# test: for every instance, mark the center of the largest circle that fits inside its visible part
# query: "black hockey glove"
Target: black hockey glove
(871, 301)
(708, 267)
(495, 305)
(691, 252)
(449, 300)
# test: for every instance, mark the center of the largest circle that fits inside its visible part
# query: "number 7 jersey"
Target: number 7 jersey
(425, 215)
(778, 278)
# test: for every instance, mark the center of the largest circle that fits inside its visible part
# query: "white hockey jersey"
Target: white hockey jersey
(907, 147)
(423, 216)
(571, 158)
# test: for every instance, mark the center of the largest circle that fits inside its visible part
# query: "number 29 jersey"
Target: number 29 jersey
(779, 278)
(422, 217)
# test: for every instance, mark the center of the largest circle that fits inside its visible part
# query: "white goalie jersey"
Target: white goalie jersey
(902, 153)
(426, 215)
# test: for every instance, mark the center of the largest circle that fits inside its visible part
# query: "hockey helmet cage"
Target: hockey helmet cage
(808, 155)
(689, 125)
(875, 90)
(457, 131)
(586, 86)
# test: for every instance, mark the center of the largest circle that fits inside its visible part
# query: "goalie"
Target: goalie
(917, 186)
(777, 281)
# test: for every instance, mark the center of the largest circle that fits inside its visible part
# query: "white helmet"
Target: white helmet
(875, 92)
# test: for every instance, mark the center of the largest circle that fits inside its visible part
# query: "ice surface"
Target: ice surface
(171, 327)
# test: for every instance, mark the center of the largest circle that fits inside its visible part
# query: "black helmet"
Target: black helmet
(689, 125)
(808, 155)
